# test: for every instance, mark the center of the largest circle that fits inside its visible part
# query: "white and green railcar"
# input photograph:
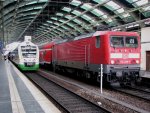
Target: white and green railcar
(26, 56)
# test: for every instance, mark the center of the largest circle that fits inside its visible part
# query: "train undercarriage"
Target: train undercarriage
(122, 76)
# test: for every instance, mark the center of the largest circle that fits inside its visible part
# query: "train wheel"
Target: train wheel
(122, 85)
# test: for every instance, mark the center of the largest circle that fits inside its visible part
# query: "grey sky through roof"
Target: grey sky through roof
(44, 19)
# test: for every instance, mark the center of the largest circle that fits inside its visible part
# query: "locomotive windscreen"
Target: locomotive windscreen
(28, 51)
(124, 41)
(131, 41)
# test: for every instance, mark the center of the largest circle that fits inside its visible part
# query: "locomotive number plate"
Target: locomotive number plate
(29, 63)
(125, 55)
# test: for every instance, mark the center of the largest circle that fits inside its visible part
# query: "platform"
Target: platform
(18, 94)
(146, 74)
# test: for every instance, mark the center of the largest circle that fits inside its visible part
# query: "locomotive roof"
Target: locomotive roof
(84, 36)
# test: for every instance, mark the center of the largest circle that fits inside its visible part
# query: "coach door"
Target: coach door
(147, 60)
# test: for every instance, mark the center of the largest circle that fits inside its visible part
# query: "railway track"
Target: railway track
(70, 102)
(139, 92)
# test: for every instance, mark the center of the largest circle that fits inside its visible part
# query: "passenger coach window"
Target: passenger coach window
(97, 43)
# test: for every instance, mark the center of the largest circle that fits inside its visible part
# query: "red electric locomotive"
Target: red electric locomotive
(119, 52)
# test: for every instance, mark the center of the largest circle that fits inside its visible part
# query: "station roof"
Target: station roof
(46, 20)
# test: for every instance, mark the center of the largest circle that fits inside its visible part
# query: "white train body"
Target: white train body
(26, 56)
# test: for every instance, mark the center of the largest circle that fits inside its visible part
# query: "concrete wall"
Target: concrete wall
(145, 45)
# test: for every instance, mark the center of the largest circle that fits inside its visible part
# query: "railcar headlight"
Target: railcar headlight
(137, 61)
(112, 61)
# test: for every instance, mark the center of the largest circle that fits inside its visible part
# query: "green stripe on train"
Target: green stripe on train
(25, 68)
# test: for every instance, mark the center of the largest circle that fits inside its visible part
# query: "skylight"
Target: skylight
(46, 24)
(77, 21)
(64, 27)
(31, 3)
(40, 7)
(68, 16)
(86, 17)
(59, 14)
(121, 10)
(67, 9)
(61, 20)
(86, 6)
(75, 2)
(146, 8)
(70, 25)
(141, 2)
(57, 23)
(112, 5)
(105, 16)
(97, 12)
(99, 1)
(43, 0)
(54, 18)
(76, 12)
(131, 1)
(49, 21)
(125, 15)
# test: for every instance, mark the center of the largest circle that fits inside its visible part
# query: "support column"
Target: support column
(2, 21)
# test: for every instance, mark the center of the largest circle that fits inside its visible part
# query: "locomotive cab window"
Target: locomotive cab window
(97, 42)
(131, 41)
(117, 41)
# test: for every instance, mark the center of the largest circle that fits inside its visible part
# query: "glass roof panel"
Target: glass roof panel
(31, 2)
(54, 18)
(125, 15)
(46, 24)
(52, 26)
(121, 10)
(112, 5)
(77, 21)
(68, 16)
(64, 27)
(70, 24)
(99, 1)
(39, 7)
(131, 1)
(61, 20)
(59, 14)
(57, 23)
(86, 17)
(33, 13)
(109, 20)
(75, 2)
(76, 12)
(49, 21)
(43, 0)
(66, 9)
(146, 14)
(146, 8)
(97, 12)
(86, 6)
(104, 16)
(141, 2)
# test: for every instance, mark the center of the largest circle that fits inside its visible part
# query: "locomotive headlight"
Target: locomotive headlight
(137, 61)
(112, 61)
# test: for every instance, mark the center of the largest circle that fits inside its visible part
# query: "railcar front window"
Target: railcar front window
(28, 51)
(131, 41)
(117, 41)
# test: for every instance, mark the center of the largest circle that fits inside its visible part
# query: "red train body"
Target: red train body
(119, 52)
(46, 54)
